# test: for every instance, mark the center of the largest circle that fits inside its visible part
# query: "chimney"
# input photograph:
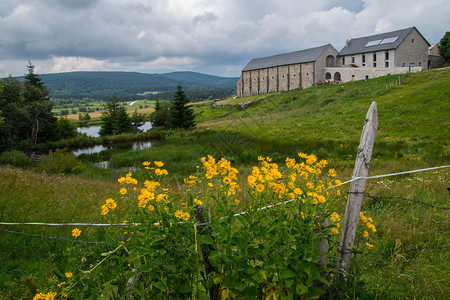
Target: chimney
(347, 43)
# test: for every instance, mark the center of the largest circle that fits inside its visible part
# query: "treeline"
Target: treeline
(26, 117)
(101, 85)
(193, 95)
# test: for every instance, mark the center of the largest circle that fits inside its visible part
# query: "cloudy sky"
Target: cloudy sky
(210, 36)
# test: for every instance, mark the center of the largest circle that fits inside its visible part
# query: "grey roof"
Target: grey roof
(358, 45)
(302, 56)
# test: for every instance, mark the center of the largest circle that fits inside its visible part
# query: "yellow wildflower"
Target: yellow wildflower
(105, 209)
(365, 234)
(237, 201)
(186, 216)
(68, 274)
(151, 207)
(210, 184)
(335, 231)
(159, 164)
(61, 284)
(76, 232)
(338, 182)
(369, 245)
(110, 203)
(123, 191)
(260, 188)
(332, 172)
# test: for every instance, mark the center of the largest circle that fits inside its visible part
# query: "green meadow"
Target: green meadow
(410, 257)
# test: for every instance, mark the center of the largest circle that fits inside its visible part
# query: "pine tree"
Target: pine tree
(181, 115)
(115, 119)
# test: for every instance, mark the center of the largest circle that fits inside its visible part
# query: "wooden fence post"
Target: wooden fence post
(356, 193)
(205, 229)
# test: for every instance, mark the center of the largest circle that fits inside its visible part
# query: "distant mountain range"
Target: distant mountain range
(95, 84)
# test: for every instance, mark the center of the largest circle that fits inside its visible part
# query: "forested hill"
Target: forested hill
(99, 84)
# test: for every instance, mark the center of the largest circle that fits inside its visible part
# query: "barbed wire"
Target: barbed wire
(60, 238)
(400, 198)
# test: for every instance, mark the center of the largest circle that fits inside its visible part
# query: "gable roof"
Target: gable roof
(302, 56)
(378, 42)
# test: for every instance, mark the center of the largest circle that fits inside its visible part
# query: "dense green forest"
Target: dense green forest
(129, 86)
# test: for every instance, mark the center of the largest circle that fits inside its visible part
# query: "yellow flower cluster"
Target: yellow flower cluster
(221, 168)
(182, 215)
(192, 180)
(48, 296)
(127, 179)
(149, 193)
(110, 204)
(158, 165)
(269, 174)
(369, 223)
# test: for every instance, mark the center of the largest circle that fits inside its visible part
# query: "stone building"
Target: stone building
(434, 58)
(395, 52)
(285, 72)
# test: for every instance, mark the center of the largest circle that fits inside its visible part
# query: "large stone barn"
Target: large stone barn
(285, 72)
(395, 52)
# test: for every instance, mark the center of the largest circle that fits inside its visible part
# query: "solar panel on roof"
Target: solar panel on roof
(373, 43)
(389, 40)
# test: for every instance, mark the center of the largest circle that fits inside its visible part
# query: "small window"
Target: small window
(246, 79)
(386, 64)
(386, 55)
(307, 73)
(282, 76)
(353, 59)
(420, 63)
(412, 41)
(295, 74)
(263, 78)
(273, 77)
(403, 64)
(343, 61)
(363, 60)
(367, 77)
(374, 60)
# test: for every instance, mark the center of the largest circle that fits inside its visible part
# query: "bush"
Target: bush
(15, 158)
(60, 161)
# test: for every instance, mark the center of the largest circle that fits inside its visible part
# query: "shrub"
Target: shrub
(60, 161)
(15, 158)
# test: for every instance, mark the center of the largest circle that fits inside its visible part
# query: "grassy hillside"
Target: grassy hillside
(412, 116)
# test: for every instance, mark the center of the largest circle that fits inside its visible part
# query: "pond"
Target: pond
(137, 145)
(94, 129)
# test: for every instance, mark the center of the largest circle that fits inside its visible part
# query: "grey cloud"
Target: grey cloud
(205, 17)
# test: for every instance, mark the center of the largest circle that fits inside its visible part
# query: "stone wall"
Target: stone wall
(413, 51)
(350, 74)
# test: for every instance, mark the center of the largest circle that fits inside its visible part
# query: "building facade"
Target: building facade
(395, 52)
(285, 72)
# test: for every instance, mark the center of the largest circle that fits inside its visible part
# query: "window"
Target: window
(343, 61)
(363, 60)
(386, 59)
(420, 63)
(374, 60)
(403, 64)
(367, 77)
(294, 74)
(353, 59)
(412, 41)
(273, 77)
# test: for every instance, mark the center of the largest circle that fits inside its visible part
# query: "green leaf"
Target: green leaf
(286, 273)
(185, 288)
(145, 268)
(260, 277)
(161, 286)
(315, 292)
(207, 239)
(301, 289)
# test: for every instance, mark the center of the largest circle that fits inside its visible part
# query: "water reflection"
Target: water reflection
(139, 145)
(93, 130)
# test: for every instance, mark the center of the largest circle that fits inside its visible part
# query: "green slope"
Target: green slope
(413, 116)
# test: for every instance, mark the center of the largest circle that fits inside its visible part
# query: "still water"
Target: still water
(93, 132)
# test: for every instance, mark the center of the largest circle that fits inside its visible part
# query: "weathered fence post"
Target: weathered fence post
(356, 193)
(205, 229)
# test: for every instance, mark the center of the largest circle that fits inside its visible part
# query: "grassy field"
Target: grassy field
(410, 258)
